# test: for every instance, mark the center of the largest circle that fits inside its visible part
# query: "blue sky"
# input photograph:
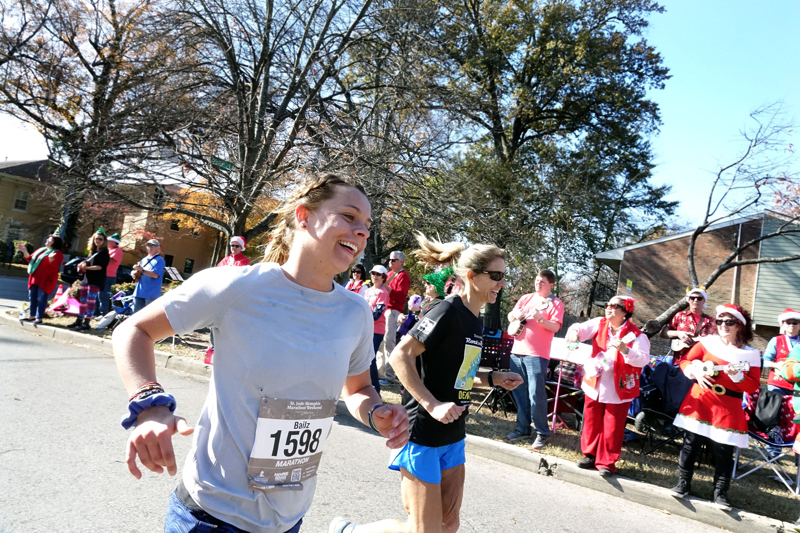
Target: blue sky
(727, 58)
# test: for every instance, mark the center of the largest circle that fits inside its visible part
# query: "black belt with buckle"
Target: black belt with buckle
(722, 391)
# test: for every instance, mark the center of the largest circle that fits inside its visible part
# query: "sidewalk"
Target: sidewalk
(635, 491)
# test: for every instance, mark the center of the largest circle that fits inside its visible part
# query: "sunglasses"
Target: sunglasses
(615, 306)
(696, 298)
(728, 322)
(393, 260)
(235, 246)
(791, 322)
(494, 275)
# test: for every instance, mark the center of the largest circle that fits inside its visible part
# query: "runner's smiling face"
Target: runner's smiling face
(339, 228)
(484, 286)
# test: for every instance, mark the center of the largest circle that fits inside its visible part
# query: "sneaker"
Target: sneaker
(385, 382)
(340, 525)
(681, 490)
(78, 322)
(515, 435)
(605, 472)
(721, 500)
(540, 442)
(587, 463)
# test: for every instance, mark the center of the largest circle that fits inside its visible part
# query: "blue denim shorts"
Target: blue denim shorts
(426, 463)
(185, 516)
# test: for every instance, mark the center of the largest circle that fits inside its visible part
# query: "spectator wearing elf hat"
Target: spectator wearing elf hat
(690, 324)
(114, 260)
(778, 350)
(619, 351)
(237, 258)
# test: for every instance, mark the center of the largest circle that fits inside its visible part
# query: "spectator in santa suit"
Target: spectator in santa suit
(237, 258)
(397, 284)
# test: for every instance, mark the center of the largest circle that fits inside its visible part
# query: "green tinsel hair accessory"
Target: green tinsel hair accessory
(438, 279)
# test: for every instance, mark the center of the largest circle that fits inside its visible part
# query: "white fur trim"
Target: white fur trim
(714, 433)
(730, 353)
(698, 291)
(237, 240)
(736, 314)
(787, 314)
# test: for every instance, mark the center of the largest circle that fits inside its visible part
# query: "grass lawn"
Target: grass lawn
(14, 271)
(757, 493)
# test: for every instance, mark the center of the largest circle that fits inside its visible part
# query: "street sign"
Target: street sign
(628, 287)
(219, 164)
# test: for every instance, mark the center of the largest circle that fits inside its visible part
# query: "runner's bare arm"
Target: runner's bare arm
(151, 439)
(391, 421)
(403, 362)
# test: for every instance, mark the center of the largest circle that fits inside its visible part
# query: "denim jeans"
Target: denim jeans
(531, 395)
(373, 367)
(182, 519)
(38, 300)
(104, 298)
(141, 303)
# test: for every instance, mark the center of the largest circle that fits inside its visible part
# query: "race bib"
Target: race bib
(290, 436)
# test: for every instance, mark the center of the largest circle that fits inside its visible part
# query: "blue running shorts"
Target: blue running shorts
(426, 463)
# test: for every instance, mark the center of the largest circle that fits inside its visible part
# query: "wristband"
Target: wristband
(491, 381)
(137, 406)
(369, 416)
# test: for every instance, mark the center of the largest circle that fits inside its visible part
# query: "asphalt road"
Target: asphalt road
(62, 469)
(12, 291)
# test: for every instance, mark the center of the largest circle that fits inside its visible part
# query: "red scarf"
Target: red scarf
(626, 377)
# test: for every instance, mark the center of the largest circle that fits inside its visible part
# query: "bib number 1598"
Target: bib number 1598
(295, 442)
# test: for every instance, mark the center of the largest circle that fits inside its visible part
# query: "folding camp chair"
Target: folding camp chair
(663, 387)
(496, 355)
(564, 393)
(762, 442)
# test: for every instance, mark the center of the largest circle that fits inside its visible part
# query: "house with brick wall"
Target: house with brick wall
(658, 273)
(25, 213)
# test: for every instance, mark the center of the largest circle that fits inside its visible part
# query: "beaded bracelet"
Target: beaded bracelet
(150, 385)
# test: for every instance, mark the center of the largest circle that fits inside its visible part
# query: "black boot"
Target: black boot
(721, 485)
(681, 490)
(85, 325)
(78, 322)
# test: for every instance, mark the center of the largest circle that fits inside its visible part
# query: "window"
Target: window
(188, 266)
(22, 200)
(174, 225)
(15, 231)
(168, 260)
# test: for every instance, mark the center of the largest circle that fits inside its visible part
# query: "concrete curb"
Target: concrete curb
(690, 507)
(163, 359)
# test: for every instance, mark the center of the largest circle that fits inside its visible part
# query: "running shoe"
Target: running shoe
(681, 490)
(515, 435)
(340, 525)
(540, 442)
(721, 500)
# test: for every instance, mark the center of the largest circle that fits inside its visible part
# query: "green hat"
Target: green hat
(438, 279)
(101, 231)
(115, 238)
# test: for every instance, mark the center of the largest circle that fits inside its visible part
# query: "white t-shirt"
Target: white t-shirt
(273, 339)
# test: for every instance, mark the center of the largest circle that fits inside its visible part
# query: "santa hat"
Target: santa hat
(733, 310)
(698, 290)
(787, 314)
(239, 241)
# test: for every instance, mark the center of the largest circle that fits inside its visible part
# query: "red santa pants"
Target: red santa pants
(603, 430)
